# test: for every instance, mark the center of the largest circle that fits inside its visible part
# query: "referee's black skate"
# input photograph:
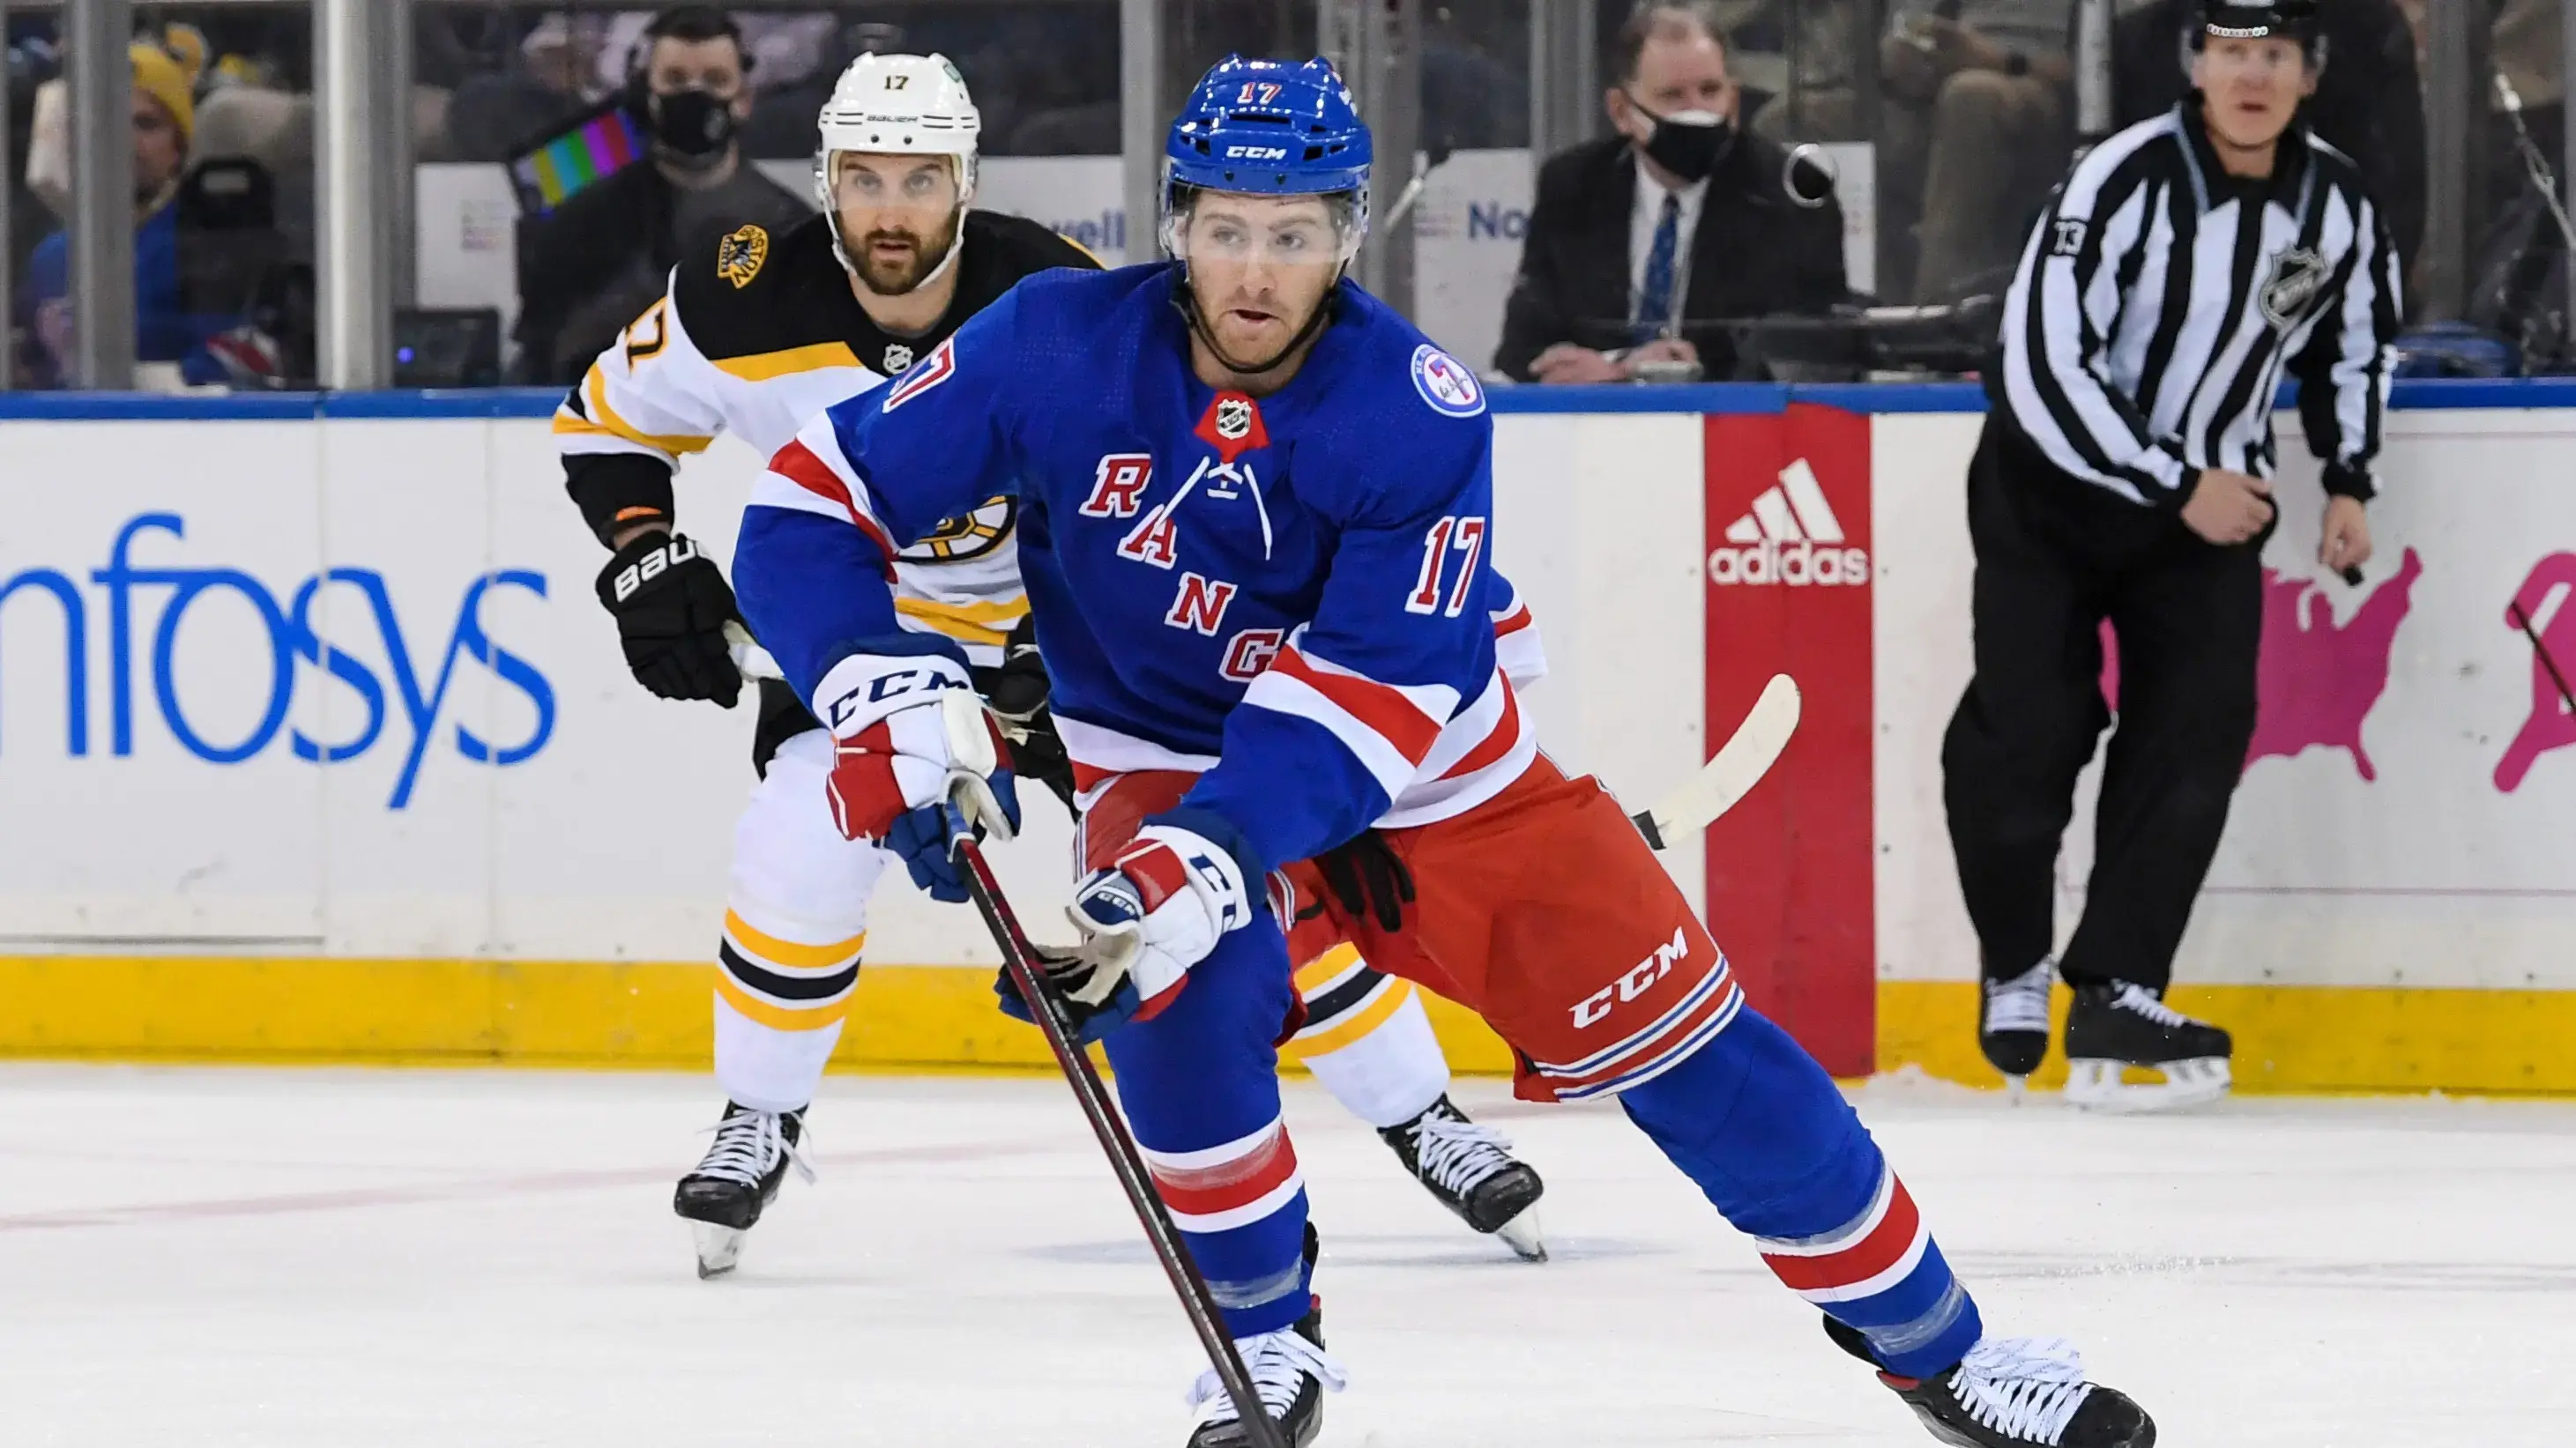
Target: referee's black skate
(2120, 1025)
(738, 1176)
(2014, 1392)
(1291, 1373)
(1471, 1170)
(2012, 1021)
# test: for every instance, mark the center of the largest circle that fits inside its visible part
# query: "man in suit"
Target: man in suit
(1641, 239)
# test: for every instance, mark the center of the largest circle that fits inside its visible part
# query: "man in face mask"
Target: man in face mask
(586, 270)
(1640, 242)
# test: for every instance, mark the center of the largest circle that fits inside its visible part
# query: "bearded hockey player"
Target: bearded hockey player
(755, 338)
(1257, 515)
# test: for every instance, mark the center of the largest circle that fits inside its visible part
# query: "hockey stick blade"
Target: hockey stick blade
(749, 658)
(1740, 764)
(2522, 620)
(1125, 1162)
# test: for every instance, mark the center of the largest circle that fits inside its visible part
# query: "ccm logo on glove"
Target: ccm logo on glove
(886, 686)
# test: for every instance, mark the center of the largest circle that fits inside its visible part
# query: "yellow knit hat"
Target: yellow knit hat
(167, 81)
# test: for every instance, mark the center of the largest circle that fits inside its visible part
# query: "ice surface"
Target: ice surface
(391, 1258)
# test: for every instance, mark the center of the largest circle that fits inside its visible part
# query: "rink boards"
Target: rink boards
(315, 744)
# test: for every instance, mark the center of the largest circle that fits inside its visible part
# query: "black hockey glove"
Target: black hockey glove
(1037, 752)
(1017, 693)
(1368, 879)
(1017, 690)
(672, 605)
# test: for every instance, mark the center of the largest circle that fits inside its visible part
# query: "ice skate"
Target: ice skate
(2012, 1022)
(1471, 1170)
(2015, 1392)
(737, 1178)
(1291, 1373)
(2121, 1025)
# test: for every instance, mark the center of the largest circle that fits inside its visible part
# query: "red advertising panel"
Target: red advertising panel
(1789, 869)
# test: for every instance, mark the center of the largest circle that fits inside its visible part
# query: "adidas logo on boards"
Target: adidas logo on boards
(1790, 537)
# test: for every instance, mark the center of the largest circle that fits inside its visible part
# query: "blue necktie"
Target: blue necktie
(1655, 299)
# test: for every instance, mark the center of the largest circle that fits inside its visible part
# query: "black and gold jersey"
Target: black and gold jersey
(756, 335)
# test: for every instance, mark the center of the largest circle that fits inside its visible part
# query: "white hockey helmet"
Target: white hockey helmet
(900, 105)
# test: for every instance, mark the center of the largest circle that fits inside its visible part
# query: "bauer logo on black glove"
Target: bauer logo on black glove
(672, 605)
(655, 562)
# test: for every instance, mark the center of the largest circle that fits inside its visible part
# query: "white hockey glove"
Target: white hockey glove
(915, 762)
(1159, 909)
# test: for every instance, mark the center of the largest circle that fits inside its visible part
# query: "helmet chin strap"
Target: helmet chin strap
(1188, 303)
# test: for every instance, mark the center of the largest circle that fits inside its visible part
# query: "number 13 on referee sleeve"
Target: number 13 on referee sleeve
(1449, 535)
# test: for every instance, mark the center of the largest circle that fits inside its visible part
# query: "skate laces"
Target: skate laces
(747, 1145)
(2020, 1003)
(2145, 1003)
(1454, 1153)
(2025, 1387)
(1279, 1363)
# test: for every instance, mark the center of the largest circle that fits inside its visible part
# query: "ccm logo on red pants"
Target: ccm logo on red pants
(1640, 978)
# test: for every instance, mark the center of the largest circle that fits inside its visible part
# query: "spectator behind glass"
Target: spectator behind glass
(602, 257)
(2369, 104)
(1681, 218)
(165, 119)
(549, 85)
(1978, 125)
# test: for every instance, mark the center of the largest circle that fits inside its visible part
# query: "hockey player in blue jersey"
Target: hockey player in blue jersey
(1257, 517)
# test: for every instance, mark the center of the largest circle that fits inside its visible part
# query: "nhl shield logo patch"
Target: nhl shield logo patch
(1445, 383)
(897, 358)
(740, 256)
(1232, 425)
(1233, 418)
(2298, 277)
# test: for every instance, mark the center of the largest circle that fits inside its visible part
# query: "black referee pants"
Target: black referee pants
(2056, 556)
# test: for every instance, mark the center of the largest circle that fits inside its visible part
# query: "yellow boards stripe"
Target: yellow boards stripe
(974, 623)
(812, 1018)
(1369, 1018)
(763, 366)
(787, 952)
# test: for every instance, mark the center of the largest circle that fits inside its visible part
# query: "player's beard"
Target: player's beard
(1251, 361)
(894, 278)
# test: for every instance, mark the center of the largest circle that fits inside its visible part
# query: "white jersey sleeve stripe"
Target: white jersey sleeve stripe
(650, 392)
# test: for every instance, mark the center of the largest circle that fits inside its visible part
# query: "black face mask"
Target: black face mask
(692, 125)
(1687, 143)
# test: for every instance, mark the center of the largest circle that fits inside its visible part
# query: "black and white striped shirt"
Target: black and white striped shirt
(2159, 301)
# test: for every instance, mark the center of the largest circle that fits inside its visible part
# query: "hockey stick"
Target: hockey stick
(1740, 764)
(2523, 621)
(749, 657)
(1020, 960)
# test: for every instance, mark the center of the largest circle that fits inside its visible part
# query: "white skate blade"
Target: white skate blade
(2097, 1086)
(719, 1248)
(1521, 1234)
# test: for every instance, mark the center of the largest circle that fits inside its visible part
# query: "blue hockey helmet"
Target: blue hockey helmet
(1269, 128)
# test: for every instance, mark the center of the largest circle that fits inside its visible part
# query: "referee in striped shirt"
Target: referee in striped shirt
(2182, 269)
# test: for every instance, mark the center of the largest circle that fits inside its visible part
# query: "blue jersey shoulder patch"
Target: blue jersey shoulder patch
(1446, 383)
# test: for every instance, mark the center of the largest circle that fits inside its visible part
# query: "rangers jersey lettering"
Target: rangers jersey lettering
(762, 333)
(1291, 593)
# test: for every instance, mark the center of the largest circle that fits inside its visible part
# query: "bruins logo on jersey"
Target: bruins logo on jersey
(969, 535)
(740, 256)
